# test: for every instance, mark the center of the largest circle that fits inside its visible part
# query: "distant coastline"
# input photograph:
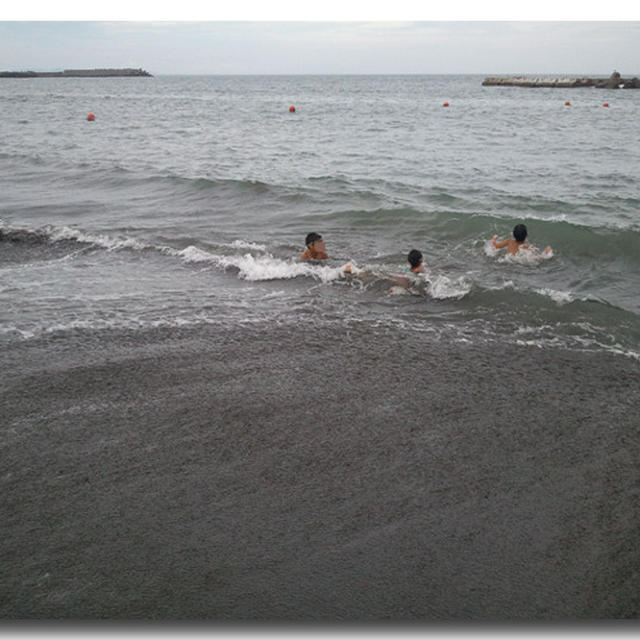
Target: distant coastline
(615, 81)
(78, 73)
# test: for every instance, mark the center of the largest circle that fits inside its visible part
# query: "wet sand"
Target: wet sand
(304, 474)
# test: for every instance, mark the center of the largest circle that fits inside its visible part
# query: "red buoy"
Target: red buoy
(91, 117)
(606, 104)
(567, 104)
(446, 104)
(292, 109)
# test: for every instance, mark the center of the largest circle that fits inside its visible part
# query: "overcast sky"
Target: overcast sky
(259, 46)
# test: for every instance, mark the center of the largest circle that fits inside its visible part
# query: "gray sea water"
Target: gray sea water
(187, 201)
(195, 425)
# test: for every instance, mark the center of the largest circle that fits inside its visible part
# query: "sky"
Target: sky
(285, 37)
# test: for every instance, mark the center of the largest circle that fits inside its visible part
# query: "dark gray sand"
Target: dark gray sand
(306, 474)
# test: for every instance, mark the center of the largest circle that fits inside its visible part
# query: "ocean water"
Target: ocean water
(187, 201)
(196, 425)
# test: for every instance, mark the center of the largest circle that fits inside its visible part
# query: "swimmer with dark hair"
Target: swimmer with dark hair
(316, 249)
(516, 243)
(415, 260)
(416, 266)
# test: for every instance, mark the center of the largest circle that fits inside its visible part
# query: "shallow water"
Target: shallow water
(203, 188)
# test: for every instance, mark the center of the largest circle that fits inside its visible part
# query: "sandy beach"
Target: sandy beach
(297, 474)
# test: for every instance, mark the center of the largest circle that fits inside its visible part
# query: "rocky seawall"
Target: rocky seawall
(615, 81)
(77, 73)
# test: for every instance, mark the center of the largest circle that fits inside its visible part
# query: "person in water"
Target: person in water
(416, 262)
(416, 266)
(516, 243)
(316, 249)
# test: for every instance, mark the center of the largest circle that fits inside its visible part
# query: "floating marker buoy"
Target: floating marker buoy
(567, 104)
(445, 104)
(292, 109)
(606, 104)
(91, 117)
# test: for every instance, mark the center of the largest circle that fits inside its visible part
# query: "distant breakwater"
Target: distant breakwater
(77, 73)
(615, 81)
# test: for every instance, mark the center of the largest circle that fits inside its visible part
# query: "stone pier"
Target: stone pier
(615, 81)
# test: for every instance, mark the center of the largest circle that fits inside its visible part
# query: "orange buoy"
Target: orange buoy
(292, 109)
(567, 104)
(445, 104)
(91, 117)
(606, 104)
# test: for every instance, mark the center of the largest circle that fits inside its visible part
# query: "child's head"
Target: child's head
(312, 237)
(520, 232)
(414, 258)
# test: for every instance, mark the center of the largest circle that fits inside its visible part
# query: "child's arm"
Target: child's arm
(501, 244)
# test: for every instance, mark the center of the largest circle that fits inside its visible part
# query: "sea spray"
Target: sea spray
(265, 267)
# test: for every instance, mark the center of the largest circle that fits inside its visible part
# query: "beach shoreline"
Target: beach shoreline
(298, 473)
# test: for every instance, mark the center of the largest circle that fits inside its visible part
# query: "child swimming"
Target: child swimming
(516, 243)
(416, 262)
(315, 248)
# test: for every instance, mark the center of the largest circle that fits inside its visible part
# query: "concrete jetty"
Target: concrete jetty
(615, 81)
(77, 73)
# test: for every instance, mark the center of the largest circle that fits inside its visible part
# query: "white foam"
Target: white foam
(579, 343)
(442, 287)
(107, 242)
(252, 246)
(507, 284)
(561, 297)
(269, 268)
(532, 330)
(137, 322)
(264, 267)
(490, 250)
(529, 256)
(261, 268)
(193, 254)
(25, 334)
